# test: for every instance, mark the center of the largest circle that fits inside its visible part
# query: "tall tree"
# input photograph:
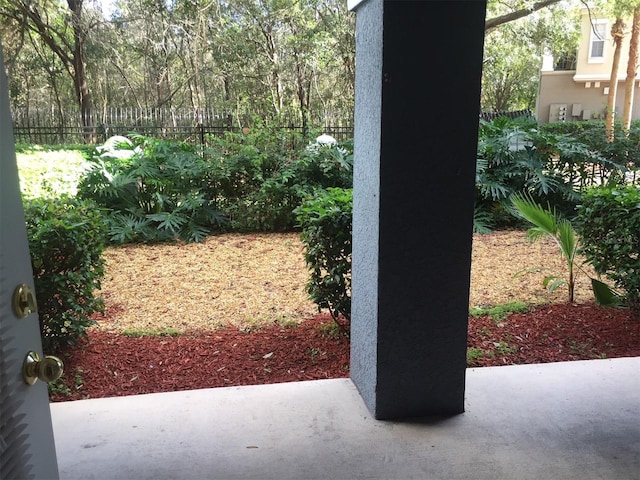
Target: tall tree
(617, 33)
(64, 31)
(509, 75)
(632, 69)
(620, 10)
(78, 61)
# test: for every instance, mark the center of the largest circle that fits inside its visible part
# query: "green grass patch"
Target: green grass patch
(285, 322)
(60, 387)
(475, 354)
(50, 173)
(167, 332)
(503, 348)
(499, 312)
(314, 352)
(329, 329)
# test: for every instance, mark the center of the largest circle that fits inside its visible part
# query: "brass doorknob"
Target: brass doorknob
(24, 301)
(49, 369)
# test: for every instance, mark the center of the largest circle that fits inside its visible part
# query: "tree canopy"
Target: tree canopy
(273, 58)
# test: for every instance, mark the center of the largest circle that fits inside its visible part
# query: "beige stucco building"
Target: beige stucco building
(577, 89)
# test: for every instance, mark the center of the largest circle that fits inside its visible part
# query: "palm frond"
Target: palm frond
(548, 222)
(567, 239)
(534, 234)
(553, 282)
(604, 294)
(543, 219)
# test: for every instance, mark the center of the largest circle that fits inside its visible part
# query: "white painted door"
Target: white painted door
(27, 449)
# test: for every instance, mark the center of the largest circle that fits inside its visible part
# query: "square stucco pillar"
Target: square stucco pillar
(418, 68)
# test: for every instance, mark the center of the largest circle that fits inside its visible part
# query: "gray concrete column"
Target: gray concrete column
(418, 67)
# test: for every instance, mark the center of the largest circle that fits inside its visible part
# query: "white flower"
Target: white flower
(325, 139)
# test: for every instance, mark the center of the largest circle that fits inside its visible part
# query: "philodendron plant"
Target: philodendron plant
(548, 223)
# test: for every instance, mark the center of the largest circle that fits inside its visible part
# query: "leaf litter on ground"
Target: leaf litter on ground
(253, 280)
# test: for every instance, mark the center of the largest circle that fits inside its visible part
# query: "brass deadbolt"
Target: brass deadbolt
(48, 369)
(24, 301)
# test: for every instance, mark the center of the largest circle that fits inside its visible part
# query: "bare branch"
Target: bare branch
(515, 15)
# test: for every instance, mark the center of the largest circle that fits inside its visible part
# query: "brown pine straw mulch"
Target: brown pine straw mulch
(233, 311)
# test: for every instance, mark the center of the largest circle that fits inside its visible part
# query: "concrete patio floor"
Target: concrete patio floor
(574, 420)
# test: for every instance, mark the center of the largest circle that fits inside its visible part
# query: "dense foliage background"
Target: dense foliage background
(287, 59)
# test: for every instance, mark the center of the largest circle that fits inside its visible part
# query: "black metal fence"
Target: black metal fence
(45, 128)
(489, 116)
(195, 126)
(197, 134)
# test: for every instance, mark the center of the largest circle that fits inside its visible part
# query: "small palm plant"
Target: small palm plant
(547, 222)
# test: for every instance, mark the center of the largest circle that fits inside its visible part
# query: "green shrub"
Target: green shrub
(319, 167)
(252, 178)
(240, 166)
(609, 224)
(617, 157)
(551, 165)
(243, 161)
(326, 165)
(66, 239)
(154, 190)
(326, 233)
(624, 153)
(261, 189)
(510, 162)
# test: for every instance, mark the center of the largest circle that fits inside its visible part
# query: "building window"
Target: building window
(566, 61)
(598, 36)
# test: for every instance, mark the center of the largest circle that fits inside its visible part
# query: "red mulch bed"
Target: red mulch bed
(556, 333)
(113, 365)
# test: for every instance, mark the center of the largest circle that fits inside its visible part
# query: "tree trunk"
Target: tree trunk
(79, 68)
(632, 69)
(303, 90)
(59, 104)
(617, 32)
(71, 54)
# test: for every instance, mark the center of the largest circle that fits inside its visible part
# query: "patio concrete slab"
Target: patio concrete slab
(574, 420)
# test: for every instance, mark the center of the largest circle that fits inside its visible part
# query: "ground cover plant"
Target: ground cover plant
(152, 190)
(50, 171)
(553, 163)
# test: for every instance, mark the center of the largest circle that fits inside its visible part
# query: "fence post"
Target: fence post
(201, 131)
(105, 132)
